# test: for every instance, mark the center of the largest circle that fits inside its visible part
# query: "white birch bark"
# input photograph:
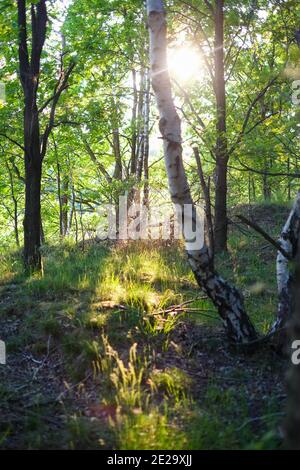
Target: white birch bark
(225, 297)
(289, 242)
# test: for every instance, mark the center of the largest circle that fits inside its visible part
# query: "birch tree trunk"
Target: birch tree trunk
(285, 277)
(225, 297)
(133, 124)
(140, 127)
(146, 137)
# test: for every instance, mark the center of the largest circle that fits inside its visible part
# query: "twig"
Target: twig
(202, 313)
(13, 141)
(179, 306)
(259, 418)
(44, 360)
(258, 229)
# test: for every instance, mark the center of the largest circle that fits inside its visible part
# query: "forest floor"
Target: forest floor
(115, 347)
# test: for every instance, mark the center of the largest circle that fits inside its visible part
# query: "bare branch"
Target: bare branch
(100, 166)
(53, 97)
(187, 99)
(60, 87)
(210, 7)
(262, 172)
(192, 7)
(13, 141)
(249, 111)
(271, 240)
(17, 171)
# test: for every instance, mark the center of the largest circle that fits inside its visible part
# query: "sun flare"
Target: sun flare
(185, 64)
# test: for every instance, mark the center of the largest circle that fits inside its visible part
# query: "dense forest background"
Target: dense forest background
(111, 343)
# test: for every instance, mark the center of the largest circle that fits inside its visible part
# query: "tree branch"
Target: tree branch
(248, 114)
(53, 97)
(262, 172)
(271, 240)
(94, 159)
(17, 171)
(12, 141)
(210, 7)
(60, 87)
(187, 99)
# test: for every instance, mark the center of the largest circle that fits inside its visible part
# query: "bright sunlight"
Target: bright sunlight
(185, 64)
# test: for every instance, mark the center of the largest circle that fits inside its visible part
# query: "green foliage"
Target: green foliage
(107, 308)
(152, 431)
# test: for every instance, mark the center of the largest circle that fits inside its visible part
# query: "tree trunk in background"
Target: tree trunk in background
(289, 179)
(266, 182)
(207, 204)
(62, 195)
(133, 125)
(64, 204)
(226, 298)
(266, 187)
(253, 189)
(117, 175)
(117, 154)
(140, 127)
(146, 137)
(81, 222)
(43, 239)
(221, 151)
(63, 199)
(33, 174)
(72, 205)
(15, 204)
(116, 148)
(140, 169)
(74, 212)
(29, 76)
(35, 143)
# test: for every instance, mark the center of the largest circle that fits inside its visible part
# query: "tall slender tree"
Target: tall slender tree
(221, 152)
(29, 76)
(35, 142)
